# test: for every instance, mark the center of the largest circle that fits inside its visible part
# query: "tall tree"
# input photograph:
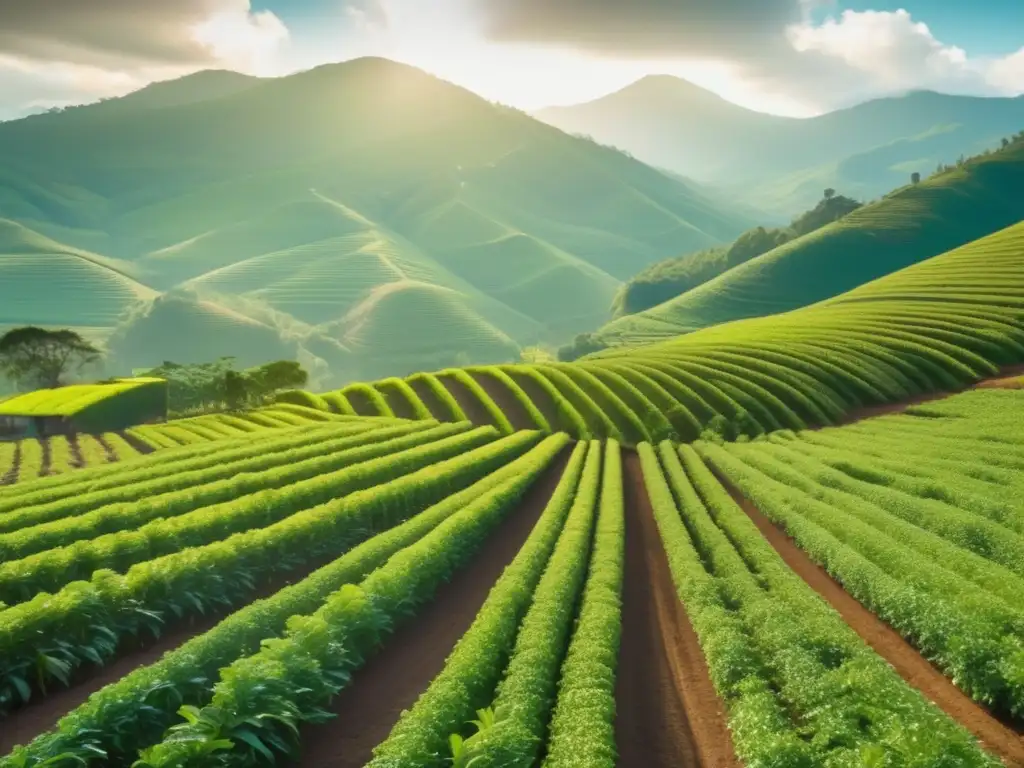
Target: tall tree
(37, 357)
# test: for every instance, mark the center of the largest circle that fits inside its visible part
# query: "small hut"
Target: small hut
(90, 408)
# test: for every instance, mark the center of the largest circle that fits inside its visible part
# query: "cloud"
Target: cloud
(773, 48)
(124, 33)
(644, 28)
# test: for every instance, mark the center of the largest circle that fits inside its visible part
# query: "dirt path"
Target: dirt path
(472, 407)
(668, 714)
(887, 409)
(508, 402)
(999, 738)
(392, 681)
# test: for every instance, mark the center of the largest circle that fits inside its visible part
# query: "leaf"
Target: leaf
(190, 713)
(255, 742)
(23, 688)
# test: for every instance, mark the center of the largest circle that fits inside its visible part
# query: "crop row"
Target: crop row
(132, 713)
(800, 686)
(260, 700)
(929, 569)
(85, 622)
(219, 472)
(224, 508)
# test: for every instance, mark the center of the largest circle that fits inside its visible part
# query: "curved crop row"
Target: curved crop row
(939, 325)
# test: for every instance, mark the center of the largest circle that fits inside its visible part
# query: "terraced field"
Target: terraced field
(935, 327)
(381, 592)
(24, 460)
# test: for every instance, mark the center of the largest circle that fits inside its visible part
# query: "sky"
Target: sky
(792, 57)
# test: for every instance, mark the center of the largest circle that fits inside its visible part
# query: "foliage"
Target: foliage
(40, 358)
(667, 279)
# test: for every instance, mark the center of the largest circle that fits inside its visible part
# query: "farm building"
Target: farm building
(91, 408)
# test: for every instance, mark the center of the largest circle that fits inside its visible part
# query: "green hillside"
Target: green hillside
(908, 226)
(305, 196)
(934, 326)
(781, 164)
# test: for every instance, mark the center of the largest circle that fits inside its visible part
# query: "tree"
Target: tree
(830, 193)
(237, 389)
(36, 357)
(915, 178)
(281, 374)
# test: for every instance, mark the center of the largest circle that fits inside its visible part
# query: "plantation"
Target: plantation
(794, 540)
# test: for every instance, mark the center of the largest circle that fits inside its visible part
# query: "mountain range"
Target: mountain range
(365, 217)
(782, 164)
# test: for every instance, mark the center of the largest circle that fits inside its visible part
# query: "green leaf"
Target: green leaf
(255, 742)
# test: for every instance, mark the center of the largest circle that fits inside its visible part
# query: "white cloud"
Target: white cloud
(880, 52)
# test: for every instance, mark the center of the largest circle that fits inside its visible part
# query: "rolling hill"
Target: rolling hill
(910, 225)
(308, 203)
(781, 164)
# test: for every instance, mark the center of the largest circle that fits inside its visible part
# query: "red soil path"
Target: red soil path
(430, 399)
(668, 714)
(470, 405)
(1001, 739)
(1003, 379)
(411, 658)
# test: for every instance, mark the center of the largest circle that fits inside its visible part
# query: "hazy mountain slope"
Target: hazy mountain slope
(782, 164)
(300, 194)
(908, 226)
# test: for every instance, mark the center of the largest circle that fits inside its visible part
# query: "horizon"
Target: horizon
(786, 57)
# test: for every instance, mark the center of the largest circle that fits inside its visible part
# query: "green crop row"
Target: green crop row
(132, 713)
(496, 416)
(406, 395)
(526, 695)
(502, 379)
(473, 670)
(800, 686)
(941, 598)
(453, 411)
(178, 489)
(261, 700)
(582, 730)
(232, 511)
(87, 620)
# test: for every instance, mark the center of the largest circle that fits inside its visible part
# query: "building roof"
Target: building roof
(67, 401)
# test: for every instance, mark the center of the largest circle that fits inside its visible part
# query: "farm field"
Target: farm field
(935, 327)
(369, 592)
(25, 460)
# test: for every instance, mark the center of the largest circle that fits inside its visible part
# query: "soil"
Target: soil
(434, 403)
(77, 460)
(542, 399)
(401, 407)
(514, 410)
(668, 714)
(11, 475)
(472, 407)
(45, 467)
(391, 681)
(1002, 739)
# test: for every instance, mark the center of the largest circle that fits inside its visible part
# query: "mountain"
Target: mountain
(914, 223)
(782, 164)
(324, 205)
